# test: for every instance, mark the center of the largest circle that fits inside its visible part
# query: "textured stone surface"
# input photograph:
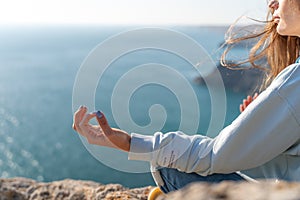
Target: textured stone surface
(22, 188)
(238, 191)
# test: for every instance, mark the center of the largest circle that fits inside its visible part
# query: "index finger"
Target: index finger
(103, 122)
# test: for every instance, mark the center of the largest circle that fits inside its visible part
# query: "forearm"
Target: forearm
(121, 139)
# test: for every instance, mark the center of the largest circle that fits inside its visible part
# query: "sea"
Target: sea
(39, 71)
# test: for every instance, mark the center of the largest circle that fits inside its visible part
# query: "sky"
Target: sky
(210, 12)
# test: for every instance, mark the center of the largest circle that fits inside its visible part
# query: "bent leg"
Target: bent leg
(174, 179)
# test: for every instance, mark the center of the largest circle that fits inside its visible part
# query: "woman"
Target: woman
(262, 143)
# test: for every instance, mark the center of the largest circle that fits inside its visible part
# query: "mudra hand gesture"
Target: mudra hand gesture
(102, 134)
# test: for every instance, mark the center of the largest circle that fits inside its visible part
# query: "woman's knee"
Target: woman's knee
(164, 179)
(171, 179)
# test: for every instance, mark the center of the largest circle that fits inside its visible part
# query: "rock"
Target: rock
(23, 189)
(27, 189)
(245, 80)
(269, 190)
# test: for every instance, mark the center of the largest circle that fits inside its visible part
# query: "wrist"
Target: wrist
(121, 139)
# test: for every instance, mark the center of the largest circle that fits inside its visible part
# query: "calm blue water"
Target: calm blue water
(38, 66)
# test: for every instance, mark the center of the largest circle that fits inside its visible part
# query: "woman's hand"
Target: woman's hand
(247, 101)
(102, 134)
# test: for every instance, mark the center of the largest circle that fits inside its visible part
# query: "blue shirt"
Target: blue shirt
(262, 142)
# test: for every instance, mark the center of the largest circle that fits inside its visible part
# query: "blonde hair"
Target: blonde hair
(276, 50)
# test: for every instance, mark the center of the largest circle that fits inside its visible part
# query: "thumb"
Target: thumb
(103, 123)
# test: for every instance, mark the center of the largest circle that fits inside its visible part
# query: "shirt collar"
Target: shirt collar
(298, 60)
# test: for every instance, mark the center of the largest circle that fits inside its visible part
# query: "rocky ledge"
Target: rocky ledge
(269, 190)
(22, 188)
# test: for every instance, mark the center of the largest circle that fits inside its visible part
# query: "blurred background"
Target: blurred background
(42, 46)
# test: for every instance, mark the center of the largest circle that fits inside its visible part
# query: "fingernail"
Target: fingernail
(99, 114)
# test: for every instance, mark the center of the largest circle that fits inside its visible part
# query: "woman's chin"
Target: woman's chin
(281, 31)
(284, 31)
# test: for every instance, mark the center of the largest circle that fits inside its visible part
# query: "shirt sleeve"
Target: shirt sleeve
(266, 128)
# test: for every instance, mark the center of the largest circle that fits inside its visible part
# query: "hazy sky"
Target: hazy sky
(128, 11)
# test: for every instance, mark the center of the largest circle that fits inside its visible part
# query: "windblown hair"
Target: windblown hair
(276, 50)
